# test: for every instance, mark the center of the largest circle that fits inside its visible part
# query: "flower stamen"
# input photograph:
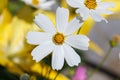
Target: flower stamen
(58, 38)
(91, 4)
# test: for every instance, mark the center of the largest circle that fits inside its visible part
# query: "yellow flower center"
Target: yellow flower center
(91, 4)
(58, 38)
(35, 2)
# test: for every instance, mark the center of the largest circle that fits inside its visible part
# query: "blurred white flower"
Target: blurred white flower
(93, 8)
(59, 40)
(43, 4)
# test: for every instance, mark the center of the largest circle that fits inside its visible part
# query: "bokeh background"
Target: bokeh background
(100, 62)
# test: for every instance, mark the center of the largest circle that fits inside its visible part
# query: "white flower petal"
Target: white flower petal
(75, 3)
(38, 37)
(27, 1)
(98, 1)
(104, 11)
(84, 12)
(44, 23)
(73, 26)
(42, 51)
(47, 5)
(58, 58)
(62, 15)
(105, 5)
(78, 41)
(71, 57)
(96, 16)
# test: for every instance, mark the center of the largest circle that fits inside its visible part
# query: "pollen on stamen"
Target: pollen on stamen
(90, 4)
(35, 2)
(58, 38)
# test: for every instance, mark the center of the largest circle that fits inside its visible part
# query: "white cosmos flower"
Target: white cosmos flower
(59, 40)
(43, 4)
(93, 8)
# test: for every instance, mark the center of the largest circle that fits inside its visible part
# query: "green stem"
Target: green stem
(102, 62)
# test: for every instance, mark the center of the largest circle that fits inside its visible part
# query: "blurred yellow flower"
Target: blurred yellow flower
(47, 72)
(5, 19)
(13, 36)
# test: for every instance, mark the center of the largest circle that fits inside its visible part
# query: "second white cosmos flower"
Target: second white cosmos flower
(43, 4)
(59, 40)
(93, 8)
